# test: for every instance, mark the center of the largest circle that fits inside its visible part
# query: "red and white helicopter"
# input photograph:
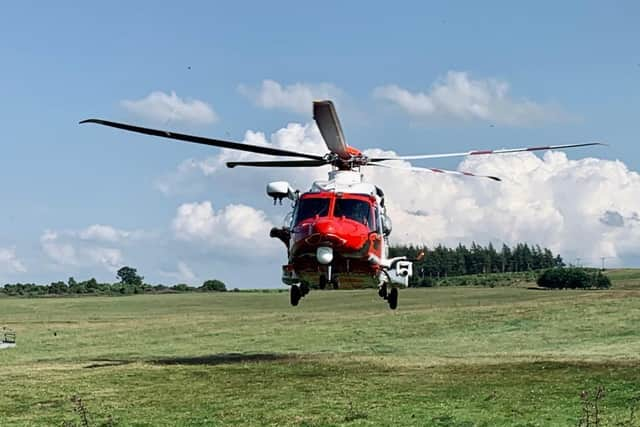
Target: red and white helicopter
(338, 231)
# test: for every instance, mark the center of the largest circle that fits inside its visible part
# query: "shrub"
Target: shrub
(425, 282)
(573, 278)
(181, 287)
(602, 281)
(213, 285)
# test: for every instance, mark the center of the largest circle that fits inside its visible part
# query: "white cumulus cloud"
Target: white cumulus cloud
(186, 179)
(185, 272)
(297, 97)
(60, 253)
(182, 274)
(458, 96)
(162, 107)
(84, 248)
(109, 258)
(9, 262)
(234, 227)
(105, 233)
(585, 208)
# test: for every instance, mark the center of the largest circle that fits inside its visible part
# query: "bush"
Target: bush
(573, 278)
(213, 285)
(425, 282)
(181, 287)
(602, 281)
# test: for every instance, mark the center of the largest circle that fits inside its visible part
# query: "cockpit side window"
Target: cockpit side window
(310, 207)
(357, 210)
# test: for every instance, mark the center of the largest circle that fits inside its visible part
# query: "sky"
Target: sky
(408, 78)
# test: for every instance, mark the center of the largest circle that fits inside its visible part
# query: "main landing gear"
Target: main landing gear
(390, 296)
(297, 292)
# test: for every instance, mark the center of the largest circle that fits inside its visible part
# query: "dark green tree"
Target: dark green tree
(213, 285)
(573, 278)
(601, 281)
(58, 288)
(129, 276)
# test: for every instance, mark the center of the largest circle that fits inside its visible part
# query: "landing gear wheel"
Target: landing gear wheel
(304, 289)
(382, 291)
(336, 283)
(322, 283)
(392, 298)
(295, 295)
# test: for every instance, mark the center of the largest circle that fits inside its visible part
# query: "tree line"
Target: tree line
(441, 261)
(129, 283)
(431, 265)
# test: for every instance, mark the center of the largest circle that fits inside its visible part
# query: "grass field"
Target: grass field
(449, 356)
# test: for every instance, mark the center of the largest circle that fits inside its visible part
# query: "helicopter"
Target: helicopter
(337, 232)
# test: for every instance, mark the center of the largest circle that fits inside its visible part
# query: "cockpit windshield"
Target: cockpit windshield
(310, 207)
(357, 210)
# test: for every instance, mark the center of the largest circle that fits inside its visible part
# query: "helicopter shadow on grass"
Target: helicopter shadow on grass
(107, 363)
(204, 360)
(224, 359)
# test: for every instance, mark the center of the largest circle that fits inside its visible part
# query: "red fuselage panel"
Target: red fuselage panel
(347, 223)
(344, 235)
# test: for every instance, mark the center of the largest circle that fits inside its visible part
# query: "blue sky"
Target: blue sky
(575, 63)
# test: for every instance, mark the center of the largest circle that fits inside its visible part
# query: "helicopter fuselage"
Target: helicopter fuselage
(336, 232)
(346, 234)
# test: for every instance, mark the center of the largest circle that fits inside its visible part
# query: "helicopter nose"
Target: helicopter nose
(325, 231)
(323, 227)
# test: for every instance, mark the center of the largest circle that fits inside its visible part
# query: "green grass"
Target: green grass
(625, 278)
(457, 356)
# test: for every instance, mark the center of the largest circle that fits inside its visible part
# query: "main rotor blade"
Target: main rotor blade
(324, 113)
(205, 141)
(478, 152)
(434, 170)
(280, 163)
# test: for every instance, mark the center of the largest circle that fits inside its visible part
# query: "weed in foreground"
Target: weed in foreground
(354, 414)
(632, 421)
(591, 407)
(81, 411)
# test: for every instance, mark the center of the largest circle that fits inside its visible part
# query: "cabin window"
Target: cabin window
(357, 210)
(310, 207)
